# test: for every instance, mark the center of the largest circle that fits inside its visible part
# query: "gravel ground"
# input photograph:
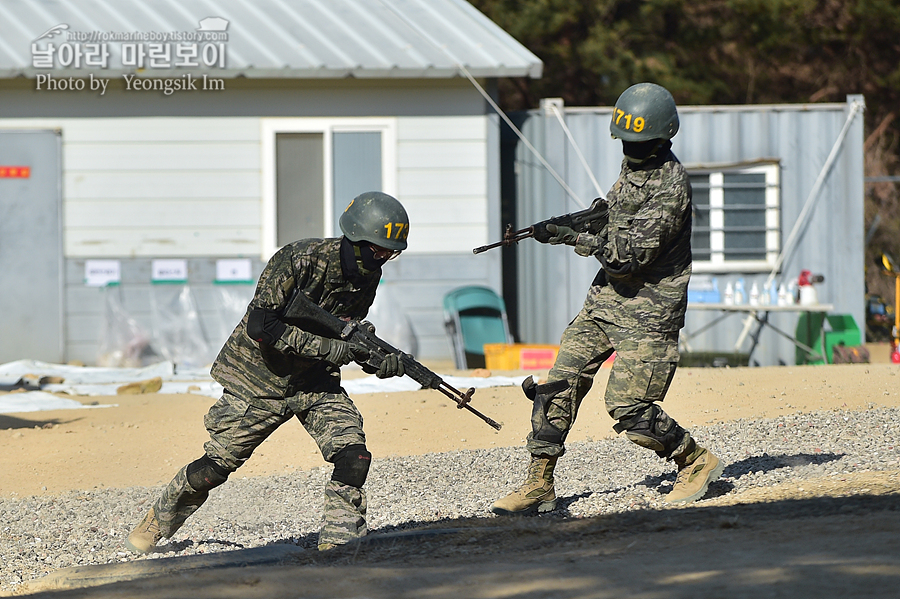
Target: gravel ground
(41, 534)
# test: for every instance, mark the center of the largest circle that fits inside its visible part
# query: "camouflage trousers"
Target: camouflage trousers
(641, 374)
(236, 428)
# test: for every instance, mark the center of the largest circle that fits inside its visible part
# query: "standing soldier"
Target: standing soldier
(272, 371)
(635, 307)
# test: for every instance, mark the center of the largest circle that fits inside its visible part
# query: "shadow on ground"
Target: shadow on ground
(824, 547)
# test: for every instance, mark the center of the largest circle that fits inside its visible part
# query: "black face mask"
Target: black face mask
(639, 152)
(358, 259)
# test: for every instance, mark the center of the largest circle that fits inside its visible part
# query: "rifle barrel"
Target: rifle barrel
(509, 237)
(462, 401)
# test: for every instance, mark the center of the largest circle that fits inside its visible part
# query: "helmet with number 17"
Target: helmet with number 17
(377, 218)
(643, 112)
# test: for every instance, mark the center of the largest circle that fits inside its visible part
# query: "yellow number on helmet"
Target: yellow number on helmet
(638, 124)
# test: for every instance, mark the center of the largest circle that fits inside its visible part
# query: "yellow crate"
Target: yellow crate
(519, 356)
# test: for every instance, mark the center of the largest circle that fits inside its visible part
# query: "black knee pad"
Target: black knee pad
(351, 465)
(541, 395)
(204, 474)
(653, 429)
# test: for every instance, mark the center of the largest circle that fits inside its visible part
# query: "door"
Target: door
(31, 304)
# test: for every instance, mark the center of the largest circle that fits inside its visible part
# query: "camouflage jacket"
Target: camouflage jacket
(649, 231)
(265, 375)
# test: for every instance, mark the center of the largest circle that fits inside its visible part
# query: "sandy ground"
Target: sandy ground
(837, 538)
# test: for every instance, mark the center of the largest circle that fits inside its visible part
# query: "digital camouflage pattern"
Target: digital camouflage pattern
(176, 504)
(637, 314)
(267, 386)
(640, 376)
(345, 515)
(650, 228)
(265, 376)
(237, 427)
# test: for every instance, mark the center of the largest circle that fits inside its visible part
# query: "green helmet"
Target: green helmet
(643, 112)
(377, 218)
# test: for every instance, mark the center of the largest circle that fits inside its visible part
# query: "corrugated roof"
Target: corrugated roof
(298, 39)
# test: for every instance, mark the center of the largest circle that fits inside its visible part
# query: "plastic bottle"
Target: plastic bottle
(792, 293)
(739, 294)
(783, 299)
(728, 300)
(754, 294)
(773, 294)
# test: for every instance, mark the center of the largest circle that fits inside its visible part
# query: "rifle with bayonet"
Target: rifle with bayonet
(590, 220)
(302, 312)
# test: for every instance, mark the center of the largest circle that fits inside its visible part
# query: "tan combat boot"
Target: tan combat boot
(145, 536)
(535, 494)
(700, 469)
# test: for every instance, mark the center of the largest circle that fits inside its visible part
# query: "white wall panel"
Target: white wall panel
(445, 210)
(155, 129)
(427, 154)
(442, 182)
(168, 155)
(162, 242)
(447, 238)
(161, 185)
(180, 212)
(441, 128)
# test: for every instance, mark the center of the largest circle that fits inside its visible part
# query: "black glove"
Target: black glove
(264, 326)
(390, 366)
(560, 234)
(335, 351)
(541, 234)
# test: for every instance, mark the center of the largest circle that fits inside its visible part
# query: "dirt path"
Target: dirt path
(827, 539)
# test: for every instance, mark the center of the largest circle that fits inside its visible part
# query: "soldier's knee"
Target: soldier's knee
(351, 465)
(653, 429)
(542, 428)
(204, 474)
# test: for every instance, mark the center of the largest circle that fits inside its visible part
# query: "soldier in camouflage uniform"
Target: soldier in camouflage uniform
(635, 307)
(273, 371)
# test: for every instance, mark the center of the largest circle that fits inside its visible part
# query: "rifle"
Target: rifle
(589, 220)
(302, 312)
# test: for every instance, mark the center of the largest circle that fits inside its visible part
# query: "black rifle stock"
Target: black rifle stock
(302, 312)
(589, 220)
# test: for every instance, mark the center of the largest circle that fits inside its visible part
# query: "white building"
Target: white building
(208, 131)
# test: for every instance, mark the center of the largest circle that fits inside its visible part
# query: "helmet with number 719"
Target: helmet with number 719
(643, 112)
(377, 218)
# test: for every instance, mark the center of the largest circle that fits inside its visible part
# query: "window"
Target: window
(312, 168)
(736, 218)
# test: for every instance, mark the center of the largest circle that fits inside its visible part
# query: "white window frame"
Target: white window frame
(717, 262)
(327, 126)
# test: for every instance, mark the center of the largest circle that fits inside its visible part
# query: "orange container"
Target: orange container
(519, 356)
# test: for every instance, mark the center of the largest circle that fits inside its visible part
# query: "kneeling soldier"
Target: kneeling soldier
(273, 371)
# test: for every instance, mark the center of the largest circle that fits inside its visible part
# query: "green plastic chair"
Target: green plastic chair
(474, 316)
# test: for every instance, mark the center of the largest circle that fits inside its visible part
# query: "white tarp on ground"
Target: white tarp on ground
(87, 381)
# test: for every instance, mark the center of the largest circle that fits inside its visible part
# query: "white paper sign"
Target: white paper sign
(98, 273)
(169, 270)
(233, 270)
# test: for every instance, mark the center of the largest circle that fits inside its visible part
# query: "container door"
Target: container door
(31, 304)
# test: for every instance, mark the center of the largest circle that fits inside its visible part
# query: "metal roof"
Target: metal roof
(298, 39)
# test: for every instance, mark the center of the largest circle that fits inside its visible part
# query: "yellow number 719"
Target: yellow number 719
(638, 124)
